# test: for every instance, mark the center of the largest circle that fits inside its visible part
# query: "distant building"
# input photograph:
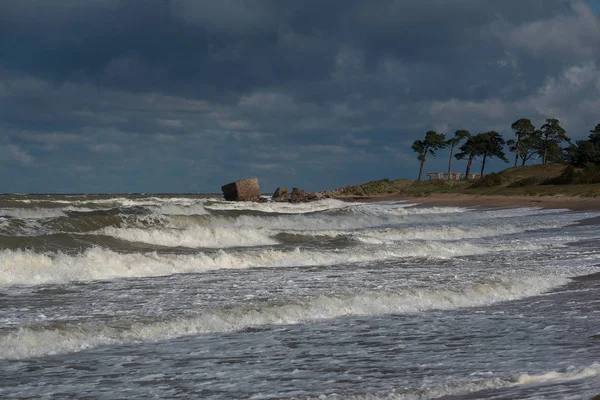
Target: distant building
(473, 176)
(453, 176)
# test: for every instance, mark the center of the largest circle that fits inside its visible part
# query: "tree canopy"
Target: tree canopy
(432, 142)
(586, 153)
(469, 151)
(545, 142)
(486, 145)
(527, 148)
(491, 145)
(459, 135)
(552, 136)
(526, 140)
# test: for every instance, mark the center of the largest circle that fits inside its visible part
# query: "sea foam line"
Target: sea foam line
(32, 213)
(280, 208)
(466, 387)
(34, 342)
(25, 267)
(569, 374)
(218, 233)
(440, 232)
(193, 236)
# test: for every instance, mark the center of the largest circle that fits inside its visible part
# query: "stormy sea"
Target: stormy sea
(181, 296)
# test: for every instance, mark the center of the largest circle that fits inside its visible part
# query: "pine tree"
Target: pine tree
(433, 141)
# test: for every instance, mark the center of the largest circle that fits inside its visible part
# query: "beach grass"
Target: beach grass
(535, 180)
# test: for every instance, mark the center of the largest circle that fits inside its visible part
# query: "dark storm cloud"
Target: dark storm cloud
(216, 49)
(334, 82)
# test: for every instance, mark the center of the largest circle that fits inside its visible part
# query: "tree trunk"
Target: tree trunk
(450, 161)
(421, 169)
(524, 161)
(544, 158)
(469, 162)
(483, 163)
(517, 151)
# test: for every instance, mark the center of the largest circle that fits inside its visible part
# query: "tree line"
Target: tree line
(545, 143)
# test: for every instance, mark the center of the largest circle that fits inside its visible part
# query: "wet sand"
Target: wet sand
(469, 200)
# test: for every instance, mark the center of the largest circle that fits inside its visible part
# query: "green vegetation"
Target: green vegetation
(539, 180)
(571, 171)
(433, 141)
(459, 135)
(402, 186)
(586, 153)
(544, 142)
(484, 145)
(552, 135)
(534, 180)
(527, 137)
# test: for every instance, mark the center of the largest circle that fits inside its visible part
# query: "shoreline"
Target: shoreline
(470, 200)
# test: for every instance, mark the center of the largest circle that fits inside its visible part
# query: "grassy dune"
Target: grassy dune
(535, 180)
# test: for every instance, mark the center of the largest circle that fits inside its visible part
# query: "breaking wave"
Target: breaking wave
(439, 232)
(570, 374)
(461, 388)
(25, 267)
(36, 341)
(193, 236)
(32, 213)
(181, 209)
(280, 208)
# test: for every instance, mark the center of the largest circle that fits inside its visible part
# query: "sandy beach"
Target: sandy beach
(466, 200)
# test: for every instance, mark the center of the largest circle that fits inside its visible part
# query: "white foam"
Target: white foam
(299, 223)
(193, 236)
(32, 213)
(385, 229)
(359, 217)
(427, 210)
(127, 202)
(570, 374)
(18, 267)
(444, 232)
(27, 342)
(439, 391)
(281, 208)
(181, 209)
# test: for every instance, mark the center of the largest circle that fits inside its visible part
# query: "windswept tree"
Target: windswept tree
(586, 153)
(552, 136)
(524, 130)
(459, 136)
(528, 147)
(471, 149)
(433, 142)
(486, 145)
(491, 144)
(595, 134)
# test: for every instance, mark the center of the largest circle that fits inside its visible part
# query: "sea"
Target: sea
(192, 297)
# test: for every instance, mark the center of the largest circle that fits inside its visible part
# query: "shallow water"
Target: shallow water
(192, 297)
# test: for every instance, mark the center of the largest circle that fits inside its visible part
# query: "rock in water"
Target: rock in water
(298, 195)
(315, 196)
(281, 194)
(244, 190)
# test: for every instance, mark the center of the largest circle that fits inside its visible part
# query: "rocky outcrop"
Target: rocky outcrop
(315, 196)
(281, 194)
(244, 190)
(298, 195)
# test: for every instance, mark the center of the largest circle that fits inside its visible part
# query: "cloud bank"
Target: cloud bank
(183, 96)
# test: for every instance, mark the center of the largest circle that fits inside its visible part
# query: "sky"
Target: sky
(157, 96)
